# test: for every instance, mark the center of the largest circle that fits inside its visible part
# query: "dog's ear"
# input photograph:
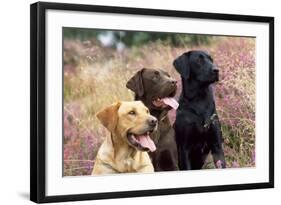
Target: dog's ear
(136, 83)
(181, 64)
(108, 116)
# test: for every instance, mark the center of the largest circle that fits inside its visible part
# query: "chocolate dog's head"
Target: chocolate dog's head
(155, 88)
(198, 66)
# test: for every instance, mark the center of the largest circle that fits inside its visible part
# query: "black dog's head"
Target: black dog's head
(197, 65)
(155, 88)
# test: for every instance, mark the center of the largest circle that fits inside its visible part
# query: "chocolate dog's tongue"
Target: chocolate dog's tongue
(171, 102)
(145, 141)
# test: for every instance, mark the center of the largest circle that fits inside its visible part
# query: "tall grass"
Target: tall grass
(95, 77)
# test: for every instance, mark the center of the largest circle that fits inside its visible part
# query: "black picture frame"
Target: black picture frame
(38, 100)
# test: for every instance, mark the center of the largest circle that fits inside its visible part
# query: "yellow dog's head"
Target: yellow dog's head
(131, 122)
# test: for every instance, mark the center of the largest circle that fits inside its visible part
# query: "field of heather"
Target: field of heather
(95, 76)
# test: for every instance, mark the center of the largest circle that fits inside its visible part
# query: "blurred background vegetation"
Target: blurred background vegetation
(121, 39)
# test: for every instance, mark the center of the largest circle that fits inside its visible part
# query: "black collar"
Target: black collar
(210, 121)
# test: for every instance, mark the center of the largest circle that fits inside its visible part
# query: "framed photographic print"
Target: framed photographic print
(129, 102)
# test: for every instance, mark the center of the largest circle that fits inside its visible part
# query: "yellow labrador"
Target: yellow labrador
(125, 150)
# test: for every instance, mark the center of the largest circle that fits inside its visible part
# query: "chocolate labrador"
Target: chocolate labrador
(197, 125)
(156, 89)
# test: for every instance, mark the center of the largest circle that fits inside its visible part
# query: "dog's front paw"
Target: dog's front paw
(220, 164)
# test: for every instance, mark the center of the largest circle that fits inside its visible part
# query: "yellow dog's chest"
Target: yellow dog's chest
(133, 164)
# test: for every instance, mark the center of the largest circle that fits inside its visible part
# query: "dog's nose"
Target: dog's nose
(215, 70)
(174, 82)
(152, 121)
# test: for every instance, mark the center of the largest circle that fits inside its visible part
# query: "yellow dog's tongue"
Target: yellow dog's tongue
(171, 102)
(145, 141)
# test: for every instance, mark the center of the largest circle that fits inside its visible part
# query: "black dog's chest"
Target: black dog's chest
(202, 129)
(194, 128)
(200, 120)
(198, 138)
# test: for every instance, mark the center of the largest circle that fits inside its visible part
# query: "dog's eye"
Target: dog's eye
(132, 113)
(156, 72)
(147, 111)
(167, 74)
(200, 59)
(211, 59)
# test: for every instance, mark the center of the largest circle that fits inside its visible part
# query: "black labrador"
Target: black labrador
(197, 126)
(156, 89)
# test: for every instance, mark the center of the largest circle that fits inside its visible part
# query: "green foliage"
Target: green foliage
(139, 38)
(81, 34)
